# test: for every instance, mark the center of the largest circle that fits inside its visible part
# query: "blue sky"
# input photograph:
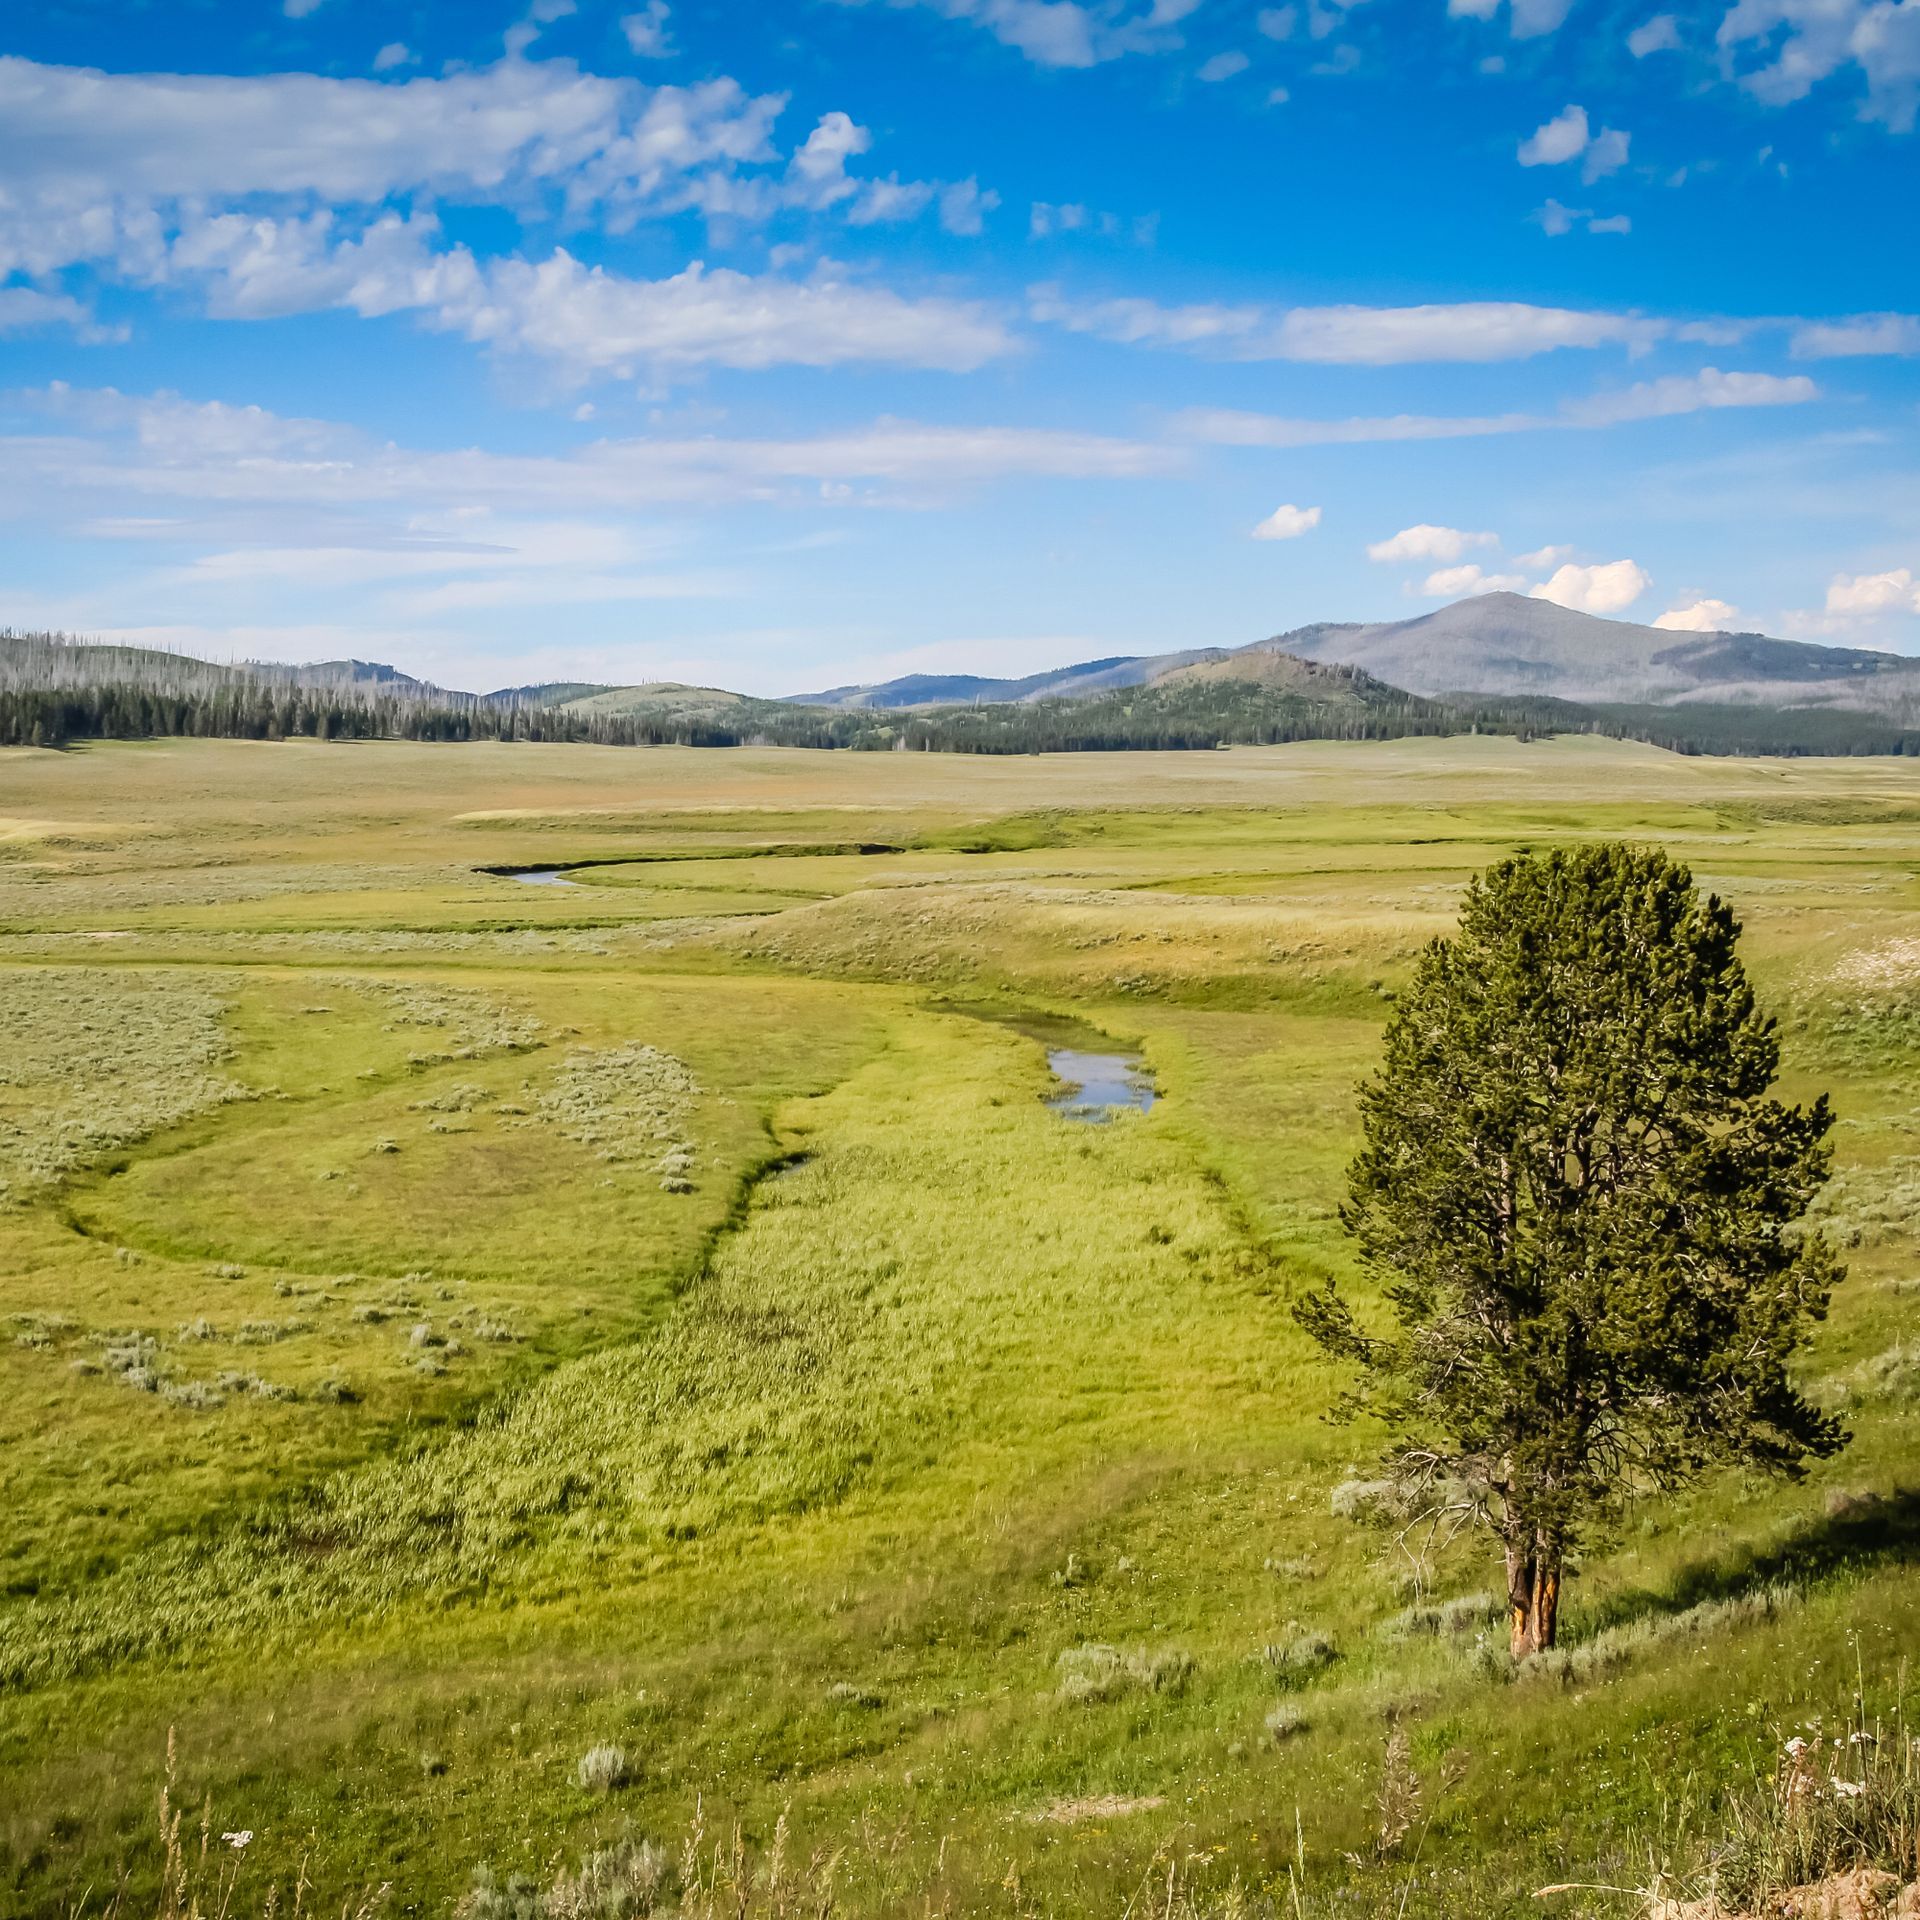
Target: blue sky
(777, 344)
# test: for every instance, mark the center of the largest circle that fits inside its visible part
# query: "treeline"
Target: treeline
(58, 717)
(1756, 732)
(1194, 716)
(54, 692)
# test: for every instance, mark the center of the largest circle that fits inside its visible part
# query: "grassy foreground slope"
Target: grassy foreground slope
(455, 1323)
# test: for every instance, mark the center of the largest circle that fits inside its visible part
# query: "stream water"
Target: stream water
(1097, 1080)
(1096, 1086)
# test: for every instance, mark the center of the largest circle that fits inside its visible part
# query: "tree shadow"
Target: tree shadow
(1858, 1532)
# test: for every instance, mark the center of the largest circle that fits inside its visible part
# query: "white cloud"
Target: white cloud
(1561, 139)
(1568, 136)
(1607, 588)
(587, 321)
(1542, 558)
(1650, 400)
(1277, 23)
(106, 169)
(964, 206)
(584, 321)
(1046, 219)
(1426, 542)
(100, 445)
(1692, 393)
(1803, 42)
(1854, 595)
(1460, 583)
(1613, 223)
(1530, 19)
(299, 9)
(131, 173)
(1863, 334)
(1700, 613)
(395, 53)
(1223, 66)
(1526, 19)
(1287, 523)
(1467, 331)
(1067, 33)
(1606, 153)
(1661, 34)
(28, 309)
(647, 33)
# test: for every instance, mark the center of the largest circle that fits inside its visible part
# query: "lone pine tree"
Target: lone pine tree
(1584, 1209)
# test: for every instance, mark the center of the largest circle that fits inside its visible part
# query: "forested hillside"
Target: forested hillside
(54, 692)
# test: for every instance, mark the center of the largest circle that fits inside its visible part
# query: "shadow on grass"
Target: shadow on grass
(1861, 1531)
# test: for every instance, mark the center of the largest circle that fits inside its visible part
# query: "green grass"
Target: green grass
(797, 1404)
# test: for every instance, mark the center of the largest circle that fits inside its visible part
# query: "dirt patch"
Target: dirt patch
(1099, 1806)
(1892, 964)
(1865, 1894)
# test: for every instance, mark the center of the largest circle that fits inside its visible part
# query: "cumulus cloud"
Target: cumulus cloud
(1561, 139)
(1661, 34)
(1529, 19)
(1859, 336)
(1800, 43)
(1606, 153)
(1606, 588)
(124, 172)
(1526, 19)
(1223, 66)
(129, 173)
(1287, 523)
(1700, 613)
(1427, 542)
(73, 137)
(1855, 595)
(1460, 583)
(1649, 400)
(1542, 558)
(396, 53)
(1067, 33)
(647, 33)
(1569, 136)
(28, 310)
(1464, 331)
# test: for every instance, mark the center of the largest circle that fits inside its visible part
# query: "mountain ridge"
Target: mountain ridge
(1498, 644)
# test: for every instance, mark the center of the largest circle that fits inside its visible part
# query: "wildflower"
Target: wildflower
(1848, 1789)
(1795, 1747)
(239, 1840)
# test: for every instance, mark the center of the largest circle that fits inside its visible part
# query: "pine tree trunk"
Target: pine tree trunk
(1533, 1596)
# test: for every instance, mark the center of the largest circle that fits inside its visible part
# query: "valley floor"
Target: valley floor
(456, 1324)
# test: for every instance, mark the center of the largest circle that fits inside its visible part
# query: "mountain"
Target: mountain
(1505, 644)
(1509, 643)
(970, 689)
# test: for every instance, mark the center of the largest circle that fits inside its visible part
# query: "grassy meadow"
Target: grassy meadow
(455, 1324)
